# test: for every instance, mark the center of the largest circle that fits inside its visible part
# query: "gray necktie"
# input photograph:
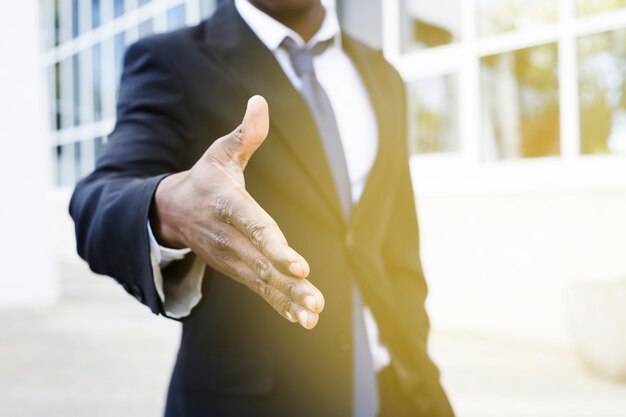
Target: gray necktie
(365, 389)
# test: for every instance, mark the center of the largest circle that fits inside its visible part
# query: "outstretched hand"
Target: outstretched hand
(208, 209)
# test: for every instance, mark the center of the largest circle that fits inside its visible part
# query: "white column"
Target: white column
(28, 272)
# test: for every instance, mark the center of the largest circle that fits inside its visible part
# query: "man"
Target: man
(325, 219)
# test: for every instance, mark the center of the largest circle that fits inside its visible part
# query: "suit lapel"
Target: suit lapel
(229, 40)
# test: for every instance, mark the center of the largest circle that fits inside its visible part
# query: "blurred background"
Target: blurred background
(518, 138)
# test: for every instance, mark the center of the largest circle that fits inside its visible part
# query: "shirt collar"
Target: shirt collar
(271, 32)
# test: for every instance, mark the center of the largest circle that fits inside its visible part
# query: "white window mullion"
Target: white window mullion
(568, 83)
(603, 22)
(469, 86)
(392, 30)
(430, 62)
(511, 41)
(193, 16)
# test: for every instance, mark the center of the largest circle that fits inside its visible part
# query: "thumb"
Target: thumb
(240, 144)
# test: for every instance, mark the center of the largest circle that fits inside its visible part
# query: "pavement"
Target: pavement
(100, 353)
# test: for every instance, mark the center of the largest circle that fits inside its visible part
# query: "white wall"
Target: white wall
(27, 266)
(502, 263)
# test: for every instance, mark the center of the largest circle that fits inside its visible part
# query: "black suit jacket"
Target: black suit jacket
(237, 357)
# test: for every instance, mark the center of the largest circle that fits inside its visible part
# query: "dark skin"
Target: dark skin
(208, 209)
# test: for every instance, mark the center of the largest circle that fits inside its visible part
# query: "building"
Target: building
(518, 132)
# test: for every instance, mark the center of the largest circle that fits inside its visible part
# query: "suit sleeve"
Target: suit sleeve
(110, 207)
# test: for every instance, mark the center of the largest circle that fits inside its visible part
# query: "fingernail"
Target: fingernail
(289, 316)
(310, 303)
(296, 269)
(303, 318)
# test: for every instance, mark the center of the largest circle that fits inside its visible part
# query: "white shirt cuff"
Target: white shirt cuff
(181, 296)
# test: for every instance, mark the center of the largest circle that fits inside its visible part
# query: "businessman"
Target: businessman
(288, 248)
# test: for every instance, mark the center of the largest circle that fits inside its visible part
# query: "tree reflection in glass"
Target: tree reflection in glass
(497, 16)
(589, 7)
(602, 81)
(520, 92)
(433, 115)
(427, 24)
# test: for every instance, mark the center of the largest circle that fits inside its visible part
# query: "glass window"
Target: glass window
(118, 8)
(108, 75)
(77, 160)
(57, 96)
(75, 18)
(51, 90)
(85, 90)
(65, 166)
(84, 157)
(47, 24)
(433, 115)
(146, 28)
(426, 24)
(142, 2)
(496, 16)
(176, 17)
(96, 56)
(95, 13)
(65, 23)
(76, 89)
(98, 147)
(602, 82)
(57, 23)
(589, 7)
(66, 98)
(120, 47)
(521, 103)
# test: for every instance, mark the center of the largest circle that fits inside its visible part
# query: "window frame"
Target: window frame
(466, 171)
(104, 34)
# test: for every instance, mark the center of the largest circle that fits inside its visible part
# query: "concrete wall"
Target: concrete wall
(27, 268)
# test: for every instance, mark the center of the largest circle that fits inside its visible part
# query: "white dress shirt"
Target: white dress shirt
(358, 130)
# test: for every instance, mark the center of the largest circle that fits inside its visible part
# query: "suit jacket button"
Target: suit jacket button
(136, 292)
(343, 342)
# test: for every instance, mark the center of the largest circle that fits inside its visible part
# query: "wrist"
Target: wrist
(165, 216)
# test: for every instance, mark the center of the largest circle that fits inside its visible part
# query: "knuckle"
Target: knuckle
(256, 232)
(224, 260)
(262, 288)
(262, 266)
(285, 304)
(287, 285)
(223, 208)
(220, 240)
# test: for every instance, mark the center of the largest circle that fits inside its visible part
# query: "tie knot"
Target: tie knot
(302, 57)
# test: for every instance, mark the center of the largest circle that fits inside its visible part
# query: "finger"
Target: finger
(285, 306)
(298, 290)
(239, 145)
(241, 211)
